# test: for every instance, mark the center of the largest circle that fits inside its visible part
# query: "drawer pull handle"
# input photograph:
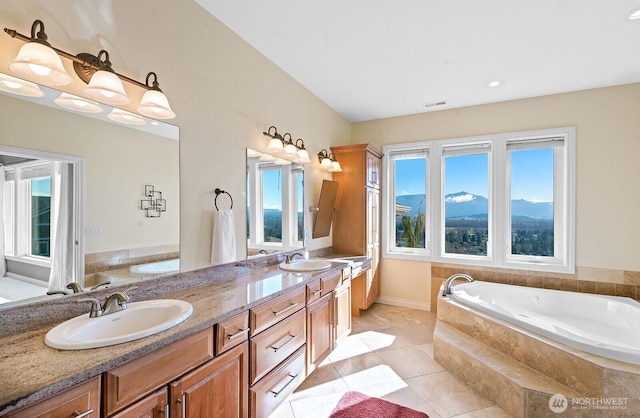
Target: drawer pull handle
(293, 377)
(183, 406)
(165, 410)
(238, 334)
(291, 338)
(317, 292)
(280, 312)
(83, 414)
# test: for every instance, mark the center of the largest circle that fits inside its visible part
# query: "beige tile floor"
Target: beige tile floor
(389, 354)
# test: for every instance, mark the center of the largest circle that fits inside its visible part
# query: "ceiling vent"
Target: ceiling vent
(437, 103)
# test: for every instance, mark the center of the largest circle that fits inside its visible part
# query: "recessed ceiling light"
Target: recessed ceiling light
(635, 15)
(495, 83)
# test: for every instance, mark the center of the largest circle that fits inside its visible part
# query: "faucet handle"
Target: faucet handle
(96, 307)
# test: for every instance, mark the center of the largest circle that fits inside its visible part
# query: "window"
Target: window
(466, 199)
(27, 210)
(275, 205)
(503, 200)
(408, 229)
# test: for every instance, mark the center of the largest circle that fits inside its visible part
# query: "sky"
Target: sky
(532, 175)
(41, 187)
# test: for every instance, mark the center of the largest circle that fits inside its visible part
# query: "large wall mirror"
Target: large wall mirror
(119, 173)
(275, 202)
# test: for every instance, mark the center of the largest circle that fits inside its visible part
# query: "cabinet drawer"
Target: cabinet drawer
(231, 332)
(314, 291)
(331, 282)
(83, 398)
(135, 379)
(267, 314)
(277, 386)
(276, 344)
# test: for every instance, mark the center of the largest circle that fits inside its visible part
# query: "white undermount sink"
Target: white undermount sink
(306, 265)
(138, 320)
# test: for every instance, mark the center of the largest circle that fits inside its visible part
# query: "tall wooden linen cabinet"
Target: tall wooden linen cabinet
(356, 228)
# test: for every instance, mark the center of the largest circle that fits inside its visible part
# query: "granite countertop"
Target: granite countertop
(31, 371)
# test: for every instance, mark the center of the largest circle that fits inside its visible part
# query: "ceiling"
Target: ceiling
(371, 59)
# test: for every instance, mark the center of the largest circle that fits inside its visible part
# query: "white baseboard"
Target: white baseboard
(423, 306)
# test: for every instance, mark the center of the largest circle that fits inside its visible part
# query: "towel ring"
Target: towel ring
(218, 192)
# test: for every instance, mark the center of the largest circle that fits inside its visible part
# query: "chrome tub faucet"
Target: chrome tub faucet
(448, 284)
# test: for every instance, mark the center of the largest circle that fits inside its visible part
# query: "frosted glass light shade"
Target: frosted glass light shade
(39, 63)
(290, 149)
(267, 157)
(154, 104)
(18, 86)
(275, 145)
(303, 156)
(106, 87)
(335, 167)
(125, 117)
(79, 104)
(326, 162)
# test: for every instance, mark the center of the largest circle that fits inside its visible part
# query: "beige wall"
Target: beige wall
(607, 125)
(224, 92)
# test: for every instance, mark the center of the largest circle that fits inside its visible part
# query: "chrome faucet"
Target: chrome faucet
(288, 258)
(75, 287)
(448, 284)
(113, 303)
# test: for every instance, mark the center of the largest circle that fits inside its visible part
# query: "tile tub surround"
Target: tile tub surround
(32, 371)
(586, 280)
(496, 357)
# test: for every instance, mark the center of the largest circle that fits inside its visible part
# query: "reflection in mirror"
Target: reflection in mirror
(325, 209)
(114, 241)
(275, 194)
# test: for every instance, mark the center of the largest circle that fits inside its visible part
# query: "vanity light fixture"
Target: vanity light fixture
(289, 146)
(37, 60)
(40, 62)
(635, 15)
(275, 144)
(303, 154)
(328, 161)
(18, 86)
(125, 117)
(79, 104)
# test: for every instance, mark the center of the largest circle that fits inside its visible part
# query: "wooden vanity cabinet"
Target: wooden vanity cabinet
(319, 331)
(342, 311)
(155, 405)
(217, 389)
(356, 228)
(82, 400)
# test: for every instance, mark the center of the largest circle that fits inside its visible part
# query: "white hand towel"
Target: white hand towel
(223, 245)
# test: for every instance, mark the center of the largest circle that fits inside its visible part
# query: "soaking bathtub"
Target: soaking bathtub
(156, 269)
(608, 326)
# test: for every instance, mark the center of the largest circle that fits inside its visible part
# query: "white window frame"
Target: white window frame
(289, 206)
(499, 245)
(20, 233)
(393, 153)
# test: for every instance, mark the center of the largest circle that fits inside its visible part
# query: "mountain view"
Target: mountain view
(466, 224)
(468, 205)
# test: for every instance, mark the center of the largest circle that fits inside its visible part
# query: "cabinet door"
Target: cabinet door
(371, 283)
(342, 308)
(80, 401)
(217, 389)
(373, 171)
(319, 331)
(155, 405)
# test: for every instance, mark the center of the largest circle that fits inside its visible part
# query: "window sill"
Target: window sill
(29, 260)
